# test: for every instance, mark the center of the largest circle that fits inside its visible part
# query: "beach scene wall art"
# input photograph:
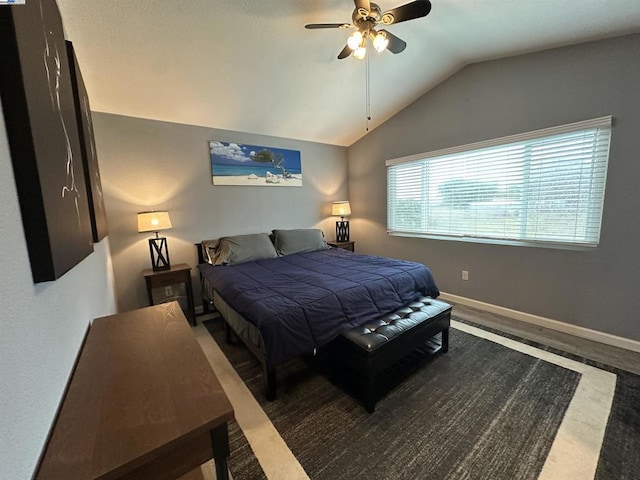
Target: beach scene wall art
(251, 165)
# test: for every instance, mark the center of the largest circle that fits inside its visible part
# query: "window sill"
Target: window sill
(495, 241)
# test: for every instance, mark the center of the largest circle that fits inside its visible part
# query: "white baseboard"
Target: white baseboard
(575, 330)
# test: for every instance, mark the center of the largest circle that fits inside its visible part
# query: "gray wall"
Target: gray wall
(594, 289)
(147, 164)
(41, 330)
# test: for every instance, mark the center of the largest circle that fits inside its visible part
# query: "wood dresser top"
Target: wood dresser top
(141, 389)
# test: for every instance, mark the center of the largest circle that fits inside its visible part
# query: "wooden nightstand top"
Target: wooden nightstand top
(344, 245)
(174, 268)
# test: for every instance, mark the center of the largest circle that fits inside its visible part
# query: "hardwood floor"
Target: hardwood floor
(599, 352)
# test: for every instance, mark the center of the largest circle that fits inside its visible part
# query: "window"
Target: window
(542, 187)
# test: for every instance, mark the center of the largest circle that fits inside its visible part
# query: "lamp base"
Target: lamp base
(159, 253)
(342, 231)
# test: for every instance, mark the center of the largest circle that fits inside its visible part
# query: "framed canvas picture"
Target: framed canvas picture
(251, 165)
(40, 117)
(92, 179)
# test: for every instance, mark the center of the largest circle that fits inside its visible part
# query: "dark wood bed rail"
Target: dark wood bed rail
(200, 251)
(206, 304)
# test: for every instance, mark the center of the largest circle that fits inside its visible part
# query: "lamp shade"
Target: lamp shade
(340, 209)
(153, 221)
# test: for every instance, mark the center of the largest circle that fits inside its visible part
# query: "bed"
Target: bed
(287, 294)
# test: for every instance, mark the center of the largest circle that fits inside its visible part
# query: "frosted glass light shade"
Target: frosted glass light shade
(360, 53)
(354, 40)
(380, 42)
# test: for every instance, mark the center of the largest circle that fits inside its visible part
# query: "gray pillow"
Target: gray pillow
(299, 240)
(239, 249)
(208, 247)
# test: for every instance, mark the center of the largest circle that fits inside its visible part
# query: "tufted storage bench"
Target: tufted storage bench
(372, 348)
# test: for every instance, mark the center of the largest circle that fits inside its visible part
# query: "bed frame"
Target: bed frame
(232, 318)
(369, 349)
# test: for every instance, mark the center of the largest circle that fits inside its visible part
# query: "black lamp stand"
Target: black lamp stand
(342, 230)
(159, 253)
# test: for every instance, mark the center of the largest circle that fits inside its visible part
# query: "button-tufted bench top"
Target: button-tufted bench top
(373, 335)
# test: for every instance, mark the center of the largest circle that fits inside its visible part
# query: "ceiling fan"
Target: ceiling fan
(366, 16)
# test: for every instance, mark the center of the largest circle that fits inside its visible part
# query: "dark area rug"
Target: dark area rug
(619, 457)
(450, 419)
(620, 454)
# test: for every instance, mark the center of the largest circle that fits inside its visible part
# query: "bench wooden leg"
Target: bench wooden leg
(369, 394)
(445, 340)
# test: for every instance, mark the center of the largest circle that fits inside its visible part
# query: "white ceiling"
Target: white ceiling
(251, 66)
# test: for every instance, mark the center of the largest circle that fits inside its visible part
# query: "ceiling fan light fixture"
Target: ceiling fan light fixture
(366, 17)
(355, 40)
(380, 42)
(360, 52)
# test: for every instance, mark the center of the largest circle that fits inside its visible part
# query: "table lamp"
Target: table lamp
(341, 209)
(155, 221)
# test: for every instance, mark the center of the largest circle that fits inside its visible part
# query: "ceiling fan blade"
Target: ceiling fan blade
(416, 9)
(346, 51)
(363, 7)
(313, 26)
(396, 45)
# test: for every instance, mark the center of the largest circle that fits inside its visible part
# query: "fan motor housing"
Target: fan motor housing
(361, 15)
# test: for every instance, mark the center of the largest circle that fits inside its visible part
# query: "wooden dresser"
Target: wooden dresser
(143, 402)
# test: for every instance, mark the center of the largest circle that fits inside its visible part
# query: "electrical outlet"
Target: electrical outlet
(465, 275)
(168, 291)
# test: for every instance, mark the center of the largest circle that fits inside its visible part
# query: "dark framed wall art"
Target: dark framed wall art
(92, 178)
(40, 117)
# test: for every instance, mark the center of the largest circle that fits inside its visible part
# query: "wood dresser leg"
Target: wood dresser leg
(220, 446)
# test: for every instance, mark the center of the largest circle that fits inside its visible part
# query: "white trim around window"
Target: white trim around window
(543, 188)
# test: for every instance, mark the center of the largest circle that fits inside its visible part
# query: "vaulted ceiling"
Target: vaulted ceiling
(251, 66)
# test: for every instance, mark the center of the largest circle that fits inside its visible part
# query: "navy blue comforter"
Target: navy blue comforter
(302, 301)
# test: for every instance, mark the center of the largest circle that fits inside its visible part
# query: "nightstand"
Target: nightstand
(344, 245)
(176, 275)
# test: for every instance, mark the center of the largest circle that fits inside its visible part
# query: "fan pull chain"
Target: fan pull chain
(368, 94)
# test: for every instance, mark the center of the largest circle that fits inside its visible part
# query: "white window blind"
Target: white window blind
(545, 186)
